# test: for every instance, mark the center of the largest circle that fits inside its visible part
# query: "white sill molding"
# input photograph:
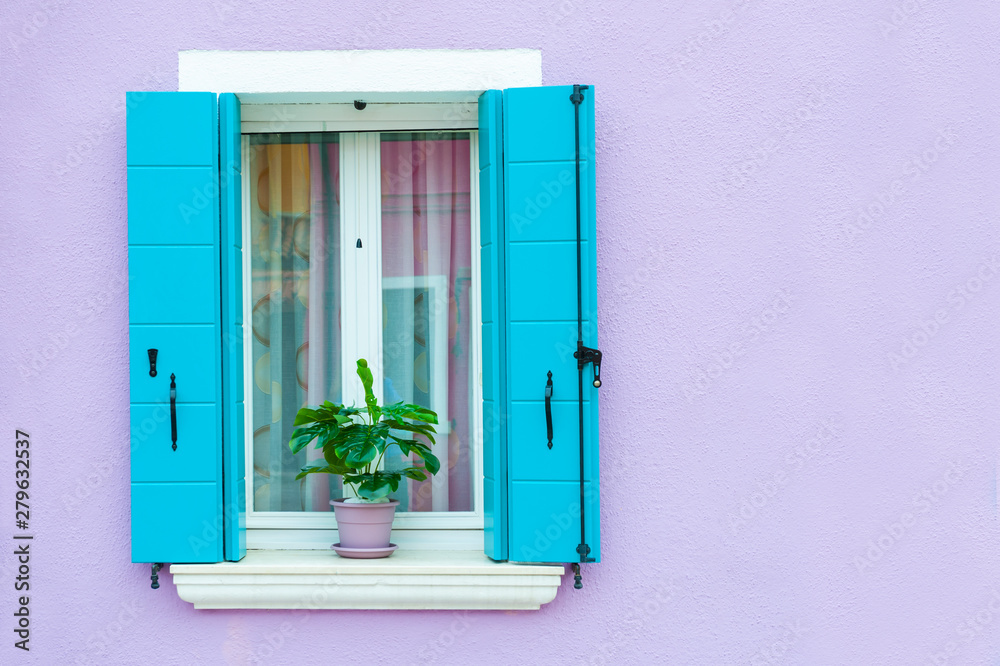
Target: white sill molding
(408, 579)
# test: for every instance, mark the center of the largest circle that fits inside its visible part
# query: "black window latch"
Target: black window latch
(585, 355)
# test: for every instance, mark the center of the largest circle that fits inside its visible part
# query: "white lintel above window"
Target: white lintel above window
(400, 75)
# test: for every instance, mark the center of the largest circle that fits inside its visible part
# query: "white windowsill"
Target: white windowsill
(409, 579)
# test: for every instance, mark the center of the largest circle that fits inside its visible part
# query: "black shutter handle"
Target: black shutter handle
(548, 408)
(173, 411)
(152, 361)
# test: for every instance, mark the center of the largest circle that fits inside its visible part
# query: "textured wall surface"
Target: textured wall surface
(798, 255)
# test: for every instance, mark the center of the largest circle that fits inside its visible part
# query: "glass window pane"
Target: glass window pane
(426, 298)
(294, 290)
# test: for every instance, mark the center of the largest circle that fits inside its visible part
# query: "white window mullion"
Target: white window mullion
(361, 297)
(373, 169)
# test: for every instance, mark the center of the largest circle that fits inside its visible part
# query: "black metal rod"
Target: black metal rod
(577, 99)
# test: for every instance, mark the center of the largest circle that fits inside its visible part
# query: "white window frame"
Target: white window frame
(433, 568)
(361, 201)
(344, 117)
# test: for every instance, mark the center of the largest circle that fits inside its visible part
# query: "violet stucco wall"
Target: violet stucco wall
(783, 378)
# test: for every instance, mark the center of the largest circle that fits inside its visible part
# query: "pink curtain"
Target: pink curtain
(426, 257)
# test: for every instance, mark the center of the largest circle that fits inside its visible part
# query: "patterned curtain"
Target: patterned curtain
(295, 252)
(426, 279)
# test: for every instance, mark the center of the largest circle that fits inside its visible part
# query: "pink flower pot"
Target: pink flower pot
(364, 528)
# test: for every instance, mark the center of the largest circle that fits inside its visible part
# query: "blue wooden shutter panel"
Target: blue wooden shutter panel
(173, 223)
(495, 478)
(233, 451)
(185, 301)
(539, 518)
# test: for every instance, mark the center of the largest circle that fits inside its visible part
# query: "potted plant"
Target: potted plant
(354, 442)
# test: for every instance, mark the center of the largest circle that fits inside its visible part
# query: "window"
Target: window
(360, 245)
(203, 310)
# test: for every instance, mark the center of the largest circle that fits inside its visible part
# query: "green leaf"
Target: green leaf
(334, 461)
(403, 444)
(301, 437)
(359, 457)
(374, 487)
(425, 430)
(431, 462)
(368, 381)
(341, 449)
(356, 478)
(415, 473)
(398, 411)
(306, 415)
(316, 469)
(418, 413)
(421, 449)
(351, 436)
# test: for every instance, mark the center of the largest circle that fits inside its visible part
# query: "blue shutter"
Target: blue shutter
(538, 315)
(494, 330)
(233, 452)
(174, 307)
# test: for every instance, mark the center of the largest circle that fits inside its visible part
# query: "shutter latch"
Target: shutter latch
(585, 355)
